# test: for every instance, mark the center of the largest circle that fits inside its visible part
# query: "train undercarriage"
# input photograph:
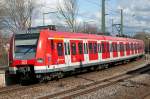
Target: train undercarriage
(26, 75)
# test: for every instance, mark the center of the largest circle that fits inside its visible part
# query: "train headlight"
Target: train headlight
(40, 60)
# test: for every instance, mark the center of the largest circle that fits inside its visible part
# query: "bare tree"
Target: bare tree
(18, 14)
(143, 36)
(68, 10)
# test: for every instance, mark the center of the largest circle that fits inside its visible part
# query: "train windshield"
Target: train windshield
(25, 49)
(25, 46)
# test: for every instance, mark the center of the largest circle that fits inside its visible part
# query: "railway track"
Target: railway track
(85, 89)
(10, 88)
(20, 88)
(17, 87)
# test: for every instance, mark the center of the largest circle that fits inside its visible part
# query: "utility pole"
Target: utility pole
(121, 27)
(103, 17)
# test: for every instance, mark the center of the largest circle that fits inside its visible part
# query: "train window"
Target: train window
(90, 48)
(110, 48)
(118, 47)
(95, 48)
(121, 47)
(68, 49)
(87, 48)
(65, 48)
(114, 47)
(107, 46)
(131, 46)
(134, 46)
(103, 47)
(127, 47)
(60, 49)
(80, 47)
(99, 47)
(73, 47)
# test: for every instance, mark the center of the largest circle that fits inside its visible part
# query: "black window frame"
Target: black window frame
(95, 48)
(66, 50)
(73, 48)
(103, 47)
(85, 50)
(68, 47)
(60, 51)
(90, 45)
(80, 48)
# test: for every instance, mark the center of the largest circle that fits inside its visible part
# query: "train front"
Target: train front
(22, 55)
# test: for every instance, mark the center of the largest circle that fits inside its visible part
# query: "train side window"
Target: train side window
(60, 49)
(126, 46)
(113, 47)
(65, 48)
(107, 46)
(121, 47)
(110, 47)
(80, 47)
(90, 48)
(68, 48)
(95, 48)
(73, 47)
(98, 47)
(134, 46)
(118, 47)
(87, 48)
(103, 47)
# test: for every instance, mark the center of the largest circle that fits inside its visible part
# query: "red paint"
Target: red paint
(115, 50)
(50, 56)
(93, 50)
(76, 55)
(105, 50)
(122, 49)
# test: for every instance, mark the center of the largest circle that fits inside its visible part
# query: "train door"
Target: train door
(57, 52)
(111, 50)
(121, 49)
(135, 48)
(138, 48)
(67, 52)
(93, 54)
(99, 51)
(108, 49)
(132, 49)
(74, 53)
(80, 51)
(115, 51)
(77, 54)
(86, 57)
(127, 49)
(103, 50)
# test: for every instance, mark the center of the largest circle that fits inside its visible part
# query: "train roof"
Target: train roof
(59, 34)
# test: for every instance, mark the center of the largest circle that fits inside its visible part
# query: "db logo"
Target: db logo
(24, 62)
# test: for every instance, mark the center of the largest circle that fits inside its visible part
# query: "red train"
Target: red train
(48, 54)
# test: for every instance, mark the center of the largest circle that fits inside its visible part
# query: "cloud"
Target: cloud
(136, 14)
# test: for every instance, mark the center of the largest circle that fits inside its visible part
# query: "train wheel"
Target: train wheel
(60, 75)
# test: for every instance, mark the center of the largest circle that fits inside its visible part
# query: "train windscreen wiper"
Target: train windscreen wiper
(28, 50)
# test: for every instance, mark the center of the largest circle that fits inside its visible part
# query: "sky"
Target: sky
(136, 14)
